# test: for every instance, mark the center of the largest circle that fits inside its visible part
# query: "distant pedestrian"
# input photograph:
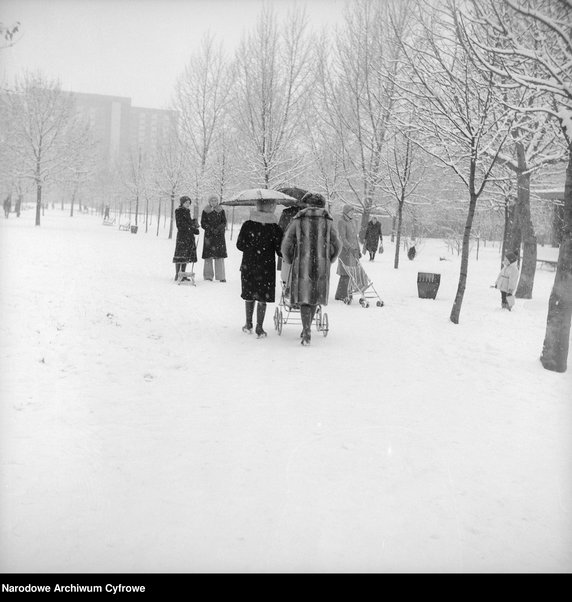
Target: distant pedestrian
(185, 246)
(213, 222)
(259, 240)
(8, 205)
(106, 212)
(310, 245)
(350, 253)
(507, 280)
(18, 207)
(373, 238)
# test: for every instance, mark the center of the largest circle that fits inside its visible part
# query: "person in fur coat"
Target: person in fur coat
(187, 227)
(310, 245)
(213, 222)
(507, 280)
(259, 240)
(350, 254)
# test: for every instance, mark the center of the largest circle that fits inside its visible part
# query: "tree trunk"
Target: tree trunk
(398, 235)
(172, 214)
(557, 338)
(456, 310)
(528, 264)
(72, 203)
(38, 201)
(158, 217)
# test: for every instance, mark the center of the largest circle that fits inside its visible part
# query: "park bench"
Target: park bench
(125, 226)
(547, 263)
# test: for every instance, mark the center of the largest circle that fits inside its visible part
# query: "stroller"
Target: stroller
(360, 283)
(287, 313)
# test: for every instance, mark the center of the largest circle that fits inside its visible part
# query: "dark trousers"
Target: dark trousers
(307, 313)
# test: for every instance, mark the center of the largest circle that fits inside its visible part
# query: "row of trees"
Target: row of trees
(371, 116)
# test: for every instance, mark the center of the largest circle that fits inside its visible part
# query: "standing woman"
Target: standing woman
(259, 240)
(185, 247)
(213, 222)
(373, 237)
(350, 254)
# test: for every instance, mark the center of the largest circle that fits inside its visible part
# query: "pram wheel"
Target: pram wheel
(318, 319)
(278, 320)
(348, 300)
(379, 303)
(363, 302)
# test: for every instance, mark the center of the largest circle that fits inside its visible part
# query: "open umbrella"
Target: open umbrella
(297, 193)
(248, 198)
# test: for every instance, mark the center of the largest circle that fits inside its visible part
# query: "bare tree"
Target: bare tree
(201, 99)
(271, 93)
(531, 47)
(461, 116)
(39, 117)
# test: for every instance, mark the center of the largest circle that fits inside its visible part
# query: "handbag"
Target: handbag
(380, 248)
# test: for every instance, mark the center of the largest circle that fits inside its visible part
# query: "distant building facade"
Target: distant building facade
(121, 129)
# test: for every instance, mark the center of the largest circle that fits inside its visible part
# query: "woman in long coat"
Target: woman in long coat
(350, 254)
(311, 244)
(259, 240)
(213, 222)
(187, 227)
(373, 237)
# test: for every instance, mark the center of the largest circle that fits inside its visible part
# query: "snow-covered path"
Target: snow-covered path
(142, 431)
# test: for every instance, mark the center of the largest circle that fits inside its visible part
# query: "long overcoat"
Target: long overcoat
(373, 236)
(213, 222)
(259, 240)
(311, 244)
(348, 233)
(185, 246)
(286, 217)
(508, 279)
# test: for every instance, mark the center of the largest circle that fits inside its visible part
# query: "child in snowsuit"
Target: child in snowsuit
(507, 280)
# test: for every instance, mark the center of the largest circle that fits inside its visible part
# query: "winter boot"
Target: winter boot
(249, 307)
(260, 313)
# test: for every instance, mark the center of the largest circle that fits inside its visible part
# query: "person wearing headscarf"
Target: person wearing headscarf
(373, 237)
(507, 280)
(350, 254)
(185, 247)
(310, 245)
(259, 240)
(213, 222)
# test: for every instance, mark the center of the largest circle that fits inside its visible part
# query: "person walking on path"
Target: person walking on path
(507, 280)
(373, 238)
(187, 228)
(8, 205)
(259, 240)
(310, 245)
(350, 254)
(213, 222)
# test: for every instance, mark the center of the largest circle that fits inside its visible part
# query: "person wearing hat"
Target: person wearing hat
(350, 254)
(213, 222)
(310, 245)
(507, 280)
(259, 240)
(373, 238)
(185, 247)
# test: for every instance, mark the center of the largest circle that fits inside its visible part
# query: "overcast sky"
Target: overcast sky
(133, 48)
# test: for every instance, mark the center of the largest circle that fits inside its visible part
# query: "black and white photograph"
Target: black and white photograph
(285, 288)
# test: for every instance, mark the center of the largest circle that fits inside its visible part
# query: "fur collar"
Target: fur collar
(263, 218)
(209, 209)
(313, 212)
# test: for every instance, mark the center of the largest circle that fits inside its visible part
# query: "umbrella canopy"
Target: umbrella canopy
(248, 198)
(297, 193)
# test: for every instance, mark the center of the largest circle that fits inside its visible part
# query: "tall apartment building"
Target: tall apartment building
(120, 128)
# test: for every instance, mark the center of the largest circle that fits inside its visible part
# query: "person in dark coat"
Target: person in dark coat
(259, 240)
(310, 245)
(350, 253)
(8, 205)
(373, 237)
(185, 247)
(213, 222)
(286, 217)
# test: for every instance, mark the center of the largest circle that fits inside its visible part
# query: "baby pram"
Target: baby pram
(288, 313)
(360, 283)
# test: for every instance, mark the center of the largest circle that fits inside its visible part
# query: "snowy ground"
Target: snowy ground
(142, 431)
